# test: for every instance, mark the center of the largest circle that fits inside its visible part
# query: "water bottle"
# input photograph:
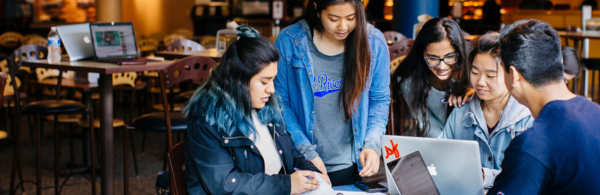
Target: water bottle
(53, 46)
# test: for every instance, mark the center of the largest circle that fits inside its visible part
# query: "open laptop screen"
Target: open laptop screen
(114, 40)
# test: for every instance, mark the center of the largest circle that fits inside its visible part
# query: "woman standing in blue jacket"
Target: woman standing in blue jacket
(494, 117)
(334, 84)
(237, 141)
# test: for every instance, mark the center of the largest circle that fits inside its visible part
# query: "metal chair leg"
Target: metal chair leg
(135, 165)
(38, 154)
(56, 155)
(93, 148)
(125, 163)
(143, 142)
(15, 164)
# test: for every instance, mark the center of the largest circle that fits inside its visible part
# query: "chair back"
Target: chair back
(176, 157)
(392, 37)
(37, 40)
(15, 60)
(3, 78)
(172, 38)
(593, 67)
(185, 45)
(126, 78)
(190, 68)
(188, 34)
(148, 44)
(209, 42)
(400, 48)
(27, 52)
(44, 73)
(28, 37)
(10, 38)
(8, 85)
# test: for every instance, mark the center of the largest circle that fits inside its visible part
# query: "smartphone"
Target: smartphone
(370, 186)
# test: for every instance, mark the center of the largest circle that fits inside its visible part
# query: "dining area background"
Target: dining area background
(112, 106)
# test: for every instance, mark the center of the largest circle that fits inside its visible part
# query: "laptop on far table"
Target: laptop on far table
(77, 40)
(115, 43)
(455, 164)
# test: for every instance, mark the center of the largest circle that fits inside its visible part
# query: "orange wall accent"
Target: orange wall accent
(153, 16)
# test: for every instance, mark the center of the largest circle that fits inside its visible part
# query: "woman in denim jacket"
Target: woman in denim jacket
(493, 118)
(334, 84)
(237, 140)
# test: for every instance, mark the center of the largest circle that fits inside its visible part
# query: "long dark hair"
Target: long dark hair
(413, 72)
(225, 99)
(357, 52)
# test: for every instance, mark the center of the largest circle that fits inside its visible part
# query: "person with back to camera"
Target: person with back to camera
(237, 140)
(559, 153)
(493, 118)
(434, 69)
(334, 84)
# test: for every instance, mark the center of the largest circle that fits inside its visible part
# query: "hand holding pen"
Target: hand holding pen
(303, 181)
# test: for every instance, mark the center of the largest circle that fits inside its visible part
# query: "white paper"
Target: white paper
(324, 187)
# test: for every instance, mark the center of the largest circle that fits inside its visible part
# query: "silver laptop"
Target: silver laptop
(77, 40)
(455, 165)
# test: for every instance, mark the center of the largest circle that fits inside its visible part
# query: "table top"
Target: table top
(211, 53)
(580, 35)
(98, 67)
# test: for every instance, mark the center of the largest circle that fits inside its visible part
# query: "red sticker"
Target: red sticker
(389, 151)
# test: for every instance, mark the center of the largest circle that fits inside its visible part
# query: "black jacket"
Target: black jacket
(220, 164)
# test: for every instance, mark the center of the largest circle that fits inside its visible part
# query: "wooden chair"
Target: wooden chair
(188, 34)
(3, 78)
(172, 38)
(593, 66)
(392, 37)
(39, 108)
(400, 48)
(189, 68)
(148, 45)
(209, 42)
(176, 157)
(185, 45)
(37, 40)
(10, 38)
(27, 37)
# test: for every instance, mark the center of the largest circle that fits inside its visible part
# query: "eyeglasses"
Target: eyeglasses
(435, 61)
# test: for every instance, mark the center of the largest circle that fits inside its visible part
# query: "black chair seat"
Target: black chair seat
(46, 107)
(185, 96)
(156, 122)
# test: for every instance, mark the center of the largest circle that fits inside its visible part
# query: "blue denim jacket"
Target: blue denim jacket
(468, 123)
(293, 84)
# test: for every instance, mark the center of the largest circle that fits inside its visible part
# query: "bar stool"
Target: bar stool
(39, 108)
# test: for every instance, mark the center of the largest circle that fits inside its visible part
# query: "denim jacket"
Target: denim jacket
(217, 163)
(292, 83)
(468, 123)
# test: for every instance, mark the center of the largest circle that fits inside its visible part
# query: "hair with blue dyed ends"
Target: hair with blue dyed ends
(225, 99)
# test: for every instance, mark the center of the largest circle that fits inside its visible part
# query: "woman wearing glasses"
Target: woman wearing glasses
(434, 69)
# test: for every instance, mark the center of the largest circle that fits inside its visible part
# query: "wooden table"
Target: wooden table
(106, 109)
(170, 55)
(583, 50)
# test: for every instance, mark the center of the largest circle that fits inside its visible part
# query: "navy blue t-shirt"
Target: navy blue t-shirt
(560, 154)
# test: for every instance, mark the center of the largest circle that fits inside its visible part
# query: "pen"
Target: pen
(297, 169)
